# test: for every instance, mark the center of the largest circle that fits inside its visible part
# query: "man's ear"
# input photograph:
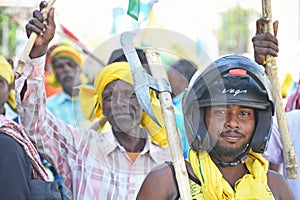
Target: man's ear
(11, 86)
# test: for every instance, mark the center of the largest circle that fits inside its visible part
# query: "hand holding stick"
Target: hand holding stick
(30, 41)
(272, 71)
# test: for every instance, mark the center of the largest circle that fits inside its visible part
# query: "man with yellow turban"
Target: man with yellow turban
(65, 63)
(111, 165)
(7, 97)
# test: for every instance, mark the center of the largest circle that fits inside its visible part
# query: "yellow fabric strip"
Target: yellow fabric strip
(214, 186)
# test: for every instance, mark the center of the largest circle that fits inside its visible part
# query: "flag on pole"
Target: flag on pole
(134, 9)
(83, 47)
(70, 34)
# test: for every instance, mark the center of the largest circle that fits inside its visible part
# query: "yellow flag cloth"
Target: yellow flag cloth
(91, 100)
(7, 73)
(252, 186)
(64, 51)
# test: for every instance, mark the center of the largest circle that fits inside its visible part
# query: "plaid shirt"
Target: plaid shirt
(92, 165)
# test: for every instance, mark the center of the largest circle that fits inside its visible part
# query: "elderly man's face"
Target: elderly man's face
(121, 106)
(66, 71)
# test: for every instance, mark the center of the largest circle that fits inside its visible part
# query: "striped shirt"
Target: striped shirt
(92, 165)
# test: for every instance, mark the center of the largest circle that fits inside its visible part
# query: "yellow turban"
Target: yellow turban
(63, 51)
(91, 100)
(8, 74)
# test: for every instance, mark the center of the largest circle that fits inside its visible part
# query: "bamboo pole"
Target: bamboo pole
(272, 71)
(158, 72)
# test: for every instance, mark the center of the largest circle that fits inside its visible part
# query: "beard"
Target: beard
(222, 151)
(69, 81)
(125, 122)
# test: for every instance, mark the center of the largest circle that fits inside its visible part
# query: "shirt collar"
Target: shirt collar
(112, 144)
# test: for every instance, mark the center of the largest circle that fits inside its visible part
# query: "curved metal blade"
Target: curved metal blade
(140, 76)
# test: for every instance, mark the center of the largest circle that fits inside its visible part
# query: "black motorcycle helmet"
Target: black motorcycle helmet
(232, 79)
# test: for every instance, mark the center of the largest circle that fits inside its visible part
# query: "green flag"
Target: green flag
(134, 9)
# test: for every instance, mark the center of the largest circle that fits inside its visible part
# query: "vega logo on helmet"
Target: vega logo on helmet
(233, 91)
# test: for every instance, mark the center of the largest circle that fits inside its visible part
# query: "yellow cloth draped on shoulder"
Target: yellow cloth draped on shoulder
(8, 74)
(91, 100)
(214, 186)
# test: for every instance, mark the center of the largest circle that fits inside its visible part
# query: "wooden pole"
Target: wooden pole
(30, 41)
(158, 72)
(272, 71)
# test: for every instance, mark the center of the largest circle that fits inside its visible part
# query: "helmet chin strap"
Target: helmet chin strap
(240, 159)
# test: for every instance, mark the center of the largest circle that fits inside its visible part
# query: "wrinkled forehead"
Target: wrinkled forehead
(119, 85)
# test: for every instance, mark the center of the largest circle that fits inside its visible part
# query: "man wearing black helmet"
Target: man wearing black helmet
(228, 112)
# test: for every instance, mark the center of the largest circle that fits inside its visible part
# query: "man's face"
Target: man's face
(121, 106)
(66, 71)
(230, 128)
(4, 91)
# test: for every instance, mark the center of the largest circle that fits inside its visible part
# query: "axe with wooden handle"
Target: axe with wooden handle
(272, 71)
(142, 80)
(142, 83)
(158, 71)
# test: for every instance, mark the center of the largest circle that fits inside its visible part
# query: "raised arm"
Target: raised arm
(29, 85)
(53, 138)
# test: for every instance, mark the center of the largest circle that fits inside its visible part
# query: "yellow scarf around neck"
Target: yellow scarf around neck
(251, 186)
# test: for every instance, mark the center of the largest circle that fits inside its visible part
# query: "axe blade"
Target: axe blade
(140, 76)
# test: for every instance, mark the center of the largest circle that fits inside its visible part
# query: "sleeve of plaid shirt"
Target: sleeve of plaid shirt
(84, 165)
(58, 142)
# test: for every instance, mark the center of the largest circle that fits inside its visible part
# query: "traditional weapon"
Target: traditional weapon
(158, 82)
(31, 40)
(142, 80)
(158, 71)
(272, 71)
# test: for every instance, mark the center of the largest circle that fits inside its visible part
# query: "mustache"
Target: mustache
(231, 131)
(68, 75)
